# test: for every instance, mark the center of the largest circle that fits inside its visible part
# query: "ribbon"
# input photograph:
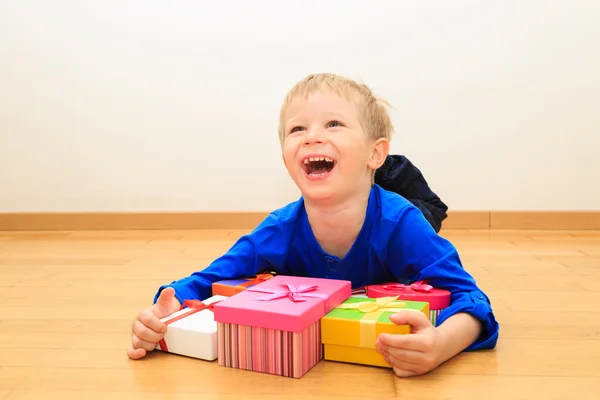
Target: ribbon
(294, 293)
(194, 306)
(373, 310)
(256, 280)
(420, 286)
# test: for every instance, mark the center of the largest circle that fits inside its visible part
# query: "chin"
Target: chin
(318, 191)
(317, 194)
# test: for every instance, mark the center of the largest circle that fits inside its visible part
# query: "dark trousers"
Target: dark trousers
(399, 175)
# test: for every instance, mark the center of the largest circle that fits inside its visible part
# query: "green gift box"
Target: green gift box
(349, 331)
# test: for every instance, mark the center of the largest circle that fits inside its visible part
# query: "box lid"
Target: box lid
(419, 291)
(201, 321)
(288, 303)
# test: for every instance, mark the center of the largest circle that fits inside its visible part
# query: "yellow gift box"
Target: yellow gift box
(349, 331)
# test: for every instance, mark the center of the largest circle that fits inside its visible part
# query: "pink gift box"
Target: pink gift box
(438, 299)
(274, 327)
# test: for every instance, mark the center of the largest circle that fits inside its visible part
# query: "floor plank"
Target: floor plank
(495, 387)
(67, 301)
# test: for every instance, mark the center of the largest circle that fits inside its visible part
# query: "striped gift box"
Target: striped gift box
(271, 351)
(274, 327)
(433, 316)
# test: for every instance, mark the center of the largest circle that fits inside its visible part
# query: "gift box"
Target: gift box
(438, 299)
(192, 331)
(359, 292)
(229, 287)
(349, 332)
(274, 327)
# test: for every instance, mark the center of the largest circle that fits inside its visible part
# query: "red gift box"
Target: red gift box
(438, 299)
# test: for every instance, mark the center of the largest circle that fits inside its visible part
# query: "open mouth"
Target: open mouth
(318, 166)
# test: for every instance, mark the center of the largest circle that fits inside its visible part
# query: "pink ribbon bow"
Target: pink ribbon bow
(294, 293)
(420, 286)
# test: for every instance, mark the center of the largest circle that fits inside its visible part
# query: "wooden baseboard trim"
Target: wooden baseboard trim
(545, 220)
(522, 220)
(467, 220)
(130, 221)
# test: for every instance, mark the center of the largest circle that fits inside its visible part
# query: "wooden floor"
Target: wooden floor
(67, 300)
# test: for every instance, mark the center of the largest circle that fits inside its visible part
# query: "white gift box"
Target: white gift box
(194, 335)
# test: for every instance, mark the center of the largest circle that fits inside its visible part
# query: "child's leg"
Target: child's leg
(399, 175)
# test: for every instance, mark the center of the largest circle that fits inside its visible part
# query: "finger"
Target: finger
(145, 333)
(415, 342)
(406, 367)
(142, 344)
(136, 354)
(416, 319)
(410, 356)
(150, 320)
(413, 356)
(164, 303)
(400, 373)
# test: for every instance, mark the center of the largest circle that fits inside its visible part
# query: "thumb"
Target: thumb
(164, 304)
(416, 319)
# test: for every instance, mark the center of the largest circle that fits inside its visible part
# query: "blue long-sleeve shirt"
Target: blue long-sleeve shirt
(395, 244)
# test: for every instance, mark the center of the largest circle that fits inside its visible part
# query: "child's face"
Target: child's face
(326, 151)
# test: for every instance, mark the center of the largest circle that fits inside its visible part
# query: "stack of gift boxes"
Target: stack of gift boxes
(285, 325)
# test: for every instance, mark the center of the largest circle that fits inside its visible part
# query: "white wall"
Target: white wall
(173, 105)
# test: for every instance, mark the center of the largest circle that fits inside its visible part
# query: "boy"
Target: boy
(334, 135)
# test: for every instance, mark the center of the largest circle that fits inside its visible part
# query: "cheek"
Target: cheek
(357, 152)
(288, 154)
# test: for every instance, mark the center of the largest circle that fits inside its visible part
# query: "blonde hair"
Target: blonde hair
(374, 117)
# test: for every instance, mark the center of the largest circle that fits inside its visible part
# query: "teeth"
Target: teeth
(313, 159)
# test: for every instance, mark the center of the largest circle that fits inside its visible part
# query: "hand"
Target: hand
(147, 329)
(412, 354)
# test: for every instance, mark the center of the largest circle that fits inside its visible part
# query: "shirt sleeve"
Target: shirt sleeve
(416, 252)
(264, 248)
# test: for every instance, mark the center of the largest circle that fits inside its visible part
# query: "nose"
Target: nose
(313, 135)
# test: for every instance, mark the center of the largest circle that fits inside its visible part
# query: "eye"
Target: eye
(334, 124)
(296, 129)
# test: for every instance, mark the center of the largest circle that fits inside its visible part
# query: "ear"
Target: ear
(379, 152)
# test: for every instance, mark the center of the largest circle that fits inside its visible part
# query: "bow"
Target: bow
(193, 306)
(381, 304)
(197, 305)
(294, 293)
(420, 286)
(373, 310)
